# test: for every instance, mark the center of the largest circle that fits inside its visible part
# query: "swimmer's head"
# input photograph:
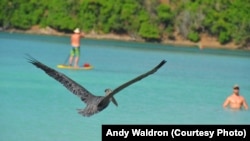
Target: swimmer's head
(237, 87)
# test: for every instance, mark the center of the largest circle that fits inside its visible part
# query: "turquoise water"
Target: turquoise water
(189, 89)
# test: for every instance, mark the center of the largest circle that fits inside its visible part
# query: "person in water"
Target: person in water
(235, 100)
(75, 50)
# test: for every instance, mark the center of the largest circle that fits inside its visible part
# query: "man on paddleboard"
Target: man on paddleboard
(75, 50)
(235, 101)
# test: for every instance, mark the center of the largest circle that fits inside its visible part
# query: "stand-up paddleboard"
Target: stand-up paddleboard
(84, 67)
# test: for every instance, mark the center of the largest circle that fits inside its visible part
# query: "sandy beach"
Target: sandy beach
(205, 42)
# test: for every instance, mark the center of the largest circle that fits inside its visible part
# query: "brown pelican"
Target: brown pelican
(94, 104)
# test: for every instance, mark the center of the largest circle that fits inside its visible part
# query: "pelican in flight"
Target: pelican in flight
(94, 104)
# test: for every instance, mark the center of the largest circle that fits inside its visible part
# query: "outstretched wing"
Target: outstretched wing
(70, 84)
(118, 89)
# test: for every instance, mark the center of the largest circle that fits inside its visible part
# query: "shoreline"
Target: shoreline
(205, 42)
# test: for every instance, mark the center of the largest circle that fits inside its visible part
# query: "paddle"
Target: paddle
(66, 60)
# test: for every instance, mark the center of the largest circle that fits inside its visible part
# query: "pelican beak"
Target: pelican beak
(114, 101)
(108, 91)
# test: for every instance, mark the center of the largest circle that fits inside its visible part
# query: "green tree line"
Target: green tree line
(152, 20)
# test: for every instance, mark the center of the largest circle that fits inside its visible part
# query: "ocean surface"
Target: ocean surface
(189, 89)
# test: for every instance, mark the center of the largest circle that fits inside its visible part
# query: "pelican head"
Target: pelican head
(107, 92)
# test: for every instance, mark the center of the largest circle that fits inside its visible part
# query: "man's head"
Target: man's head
(236, 89)
(77, 30)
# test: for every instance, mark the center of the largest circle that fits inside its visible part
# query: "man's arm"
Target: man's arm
(245, 104)
(227, 101)
(82, 34)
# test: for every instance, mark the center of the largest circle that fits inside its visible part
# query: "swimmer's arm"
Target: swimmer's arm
(245, 104)
(227, 101)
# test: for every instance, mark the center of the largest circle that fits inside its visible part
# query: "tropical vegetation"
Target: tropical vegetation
(152, 20)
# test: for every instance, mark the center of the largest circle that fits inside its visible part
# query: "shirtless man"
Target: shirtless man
(75, 43)
(235, 101)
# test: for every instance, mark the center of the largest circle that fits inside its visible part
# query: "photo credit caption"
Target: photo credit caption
(175, 132)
